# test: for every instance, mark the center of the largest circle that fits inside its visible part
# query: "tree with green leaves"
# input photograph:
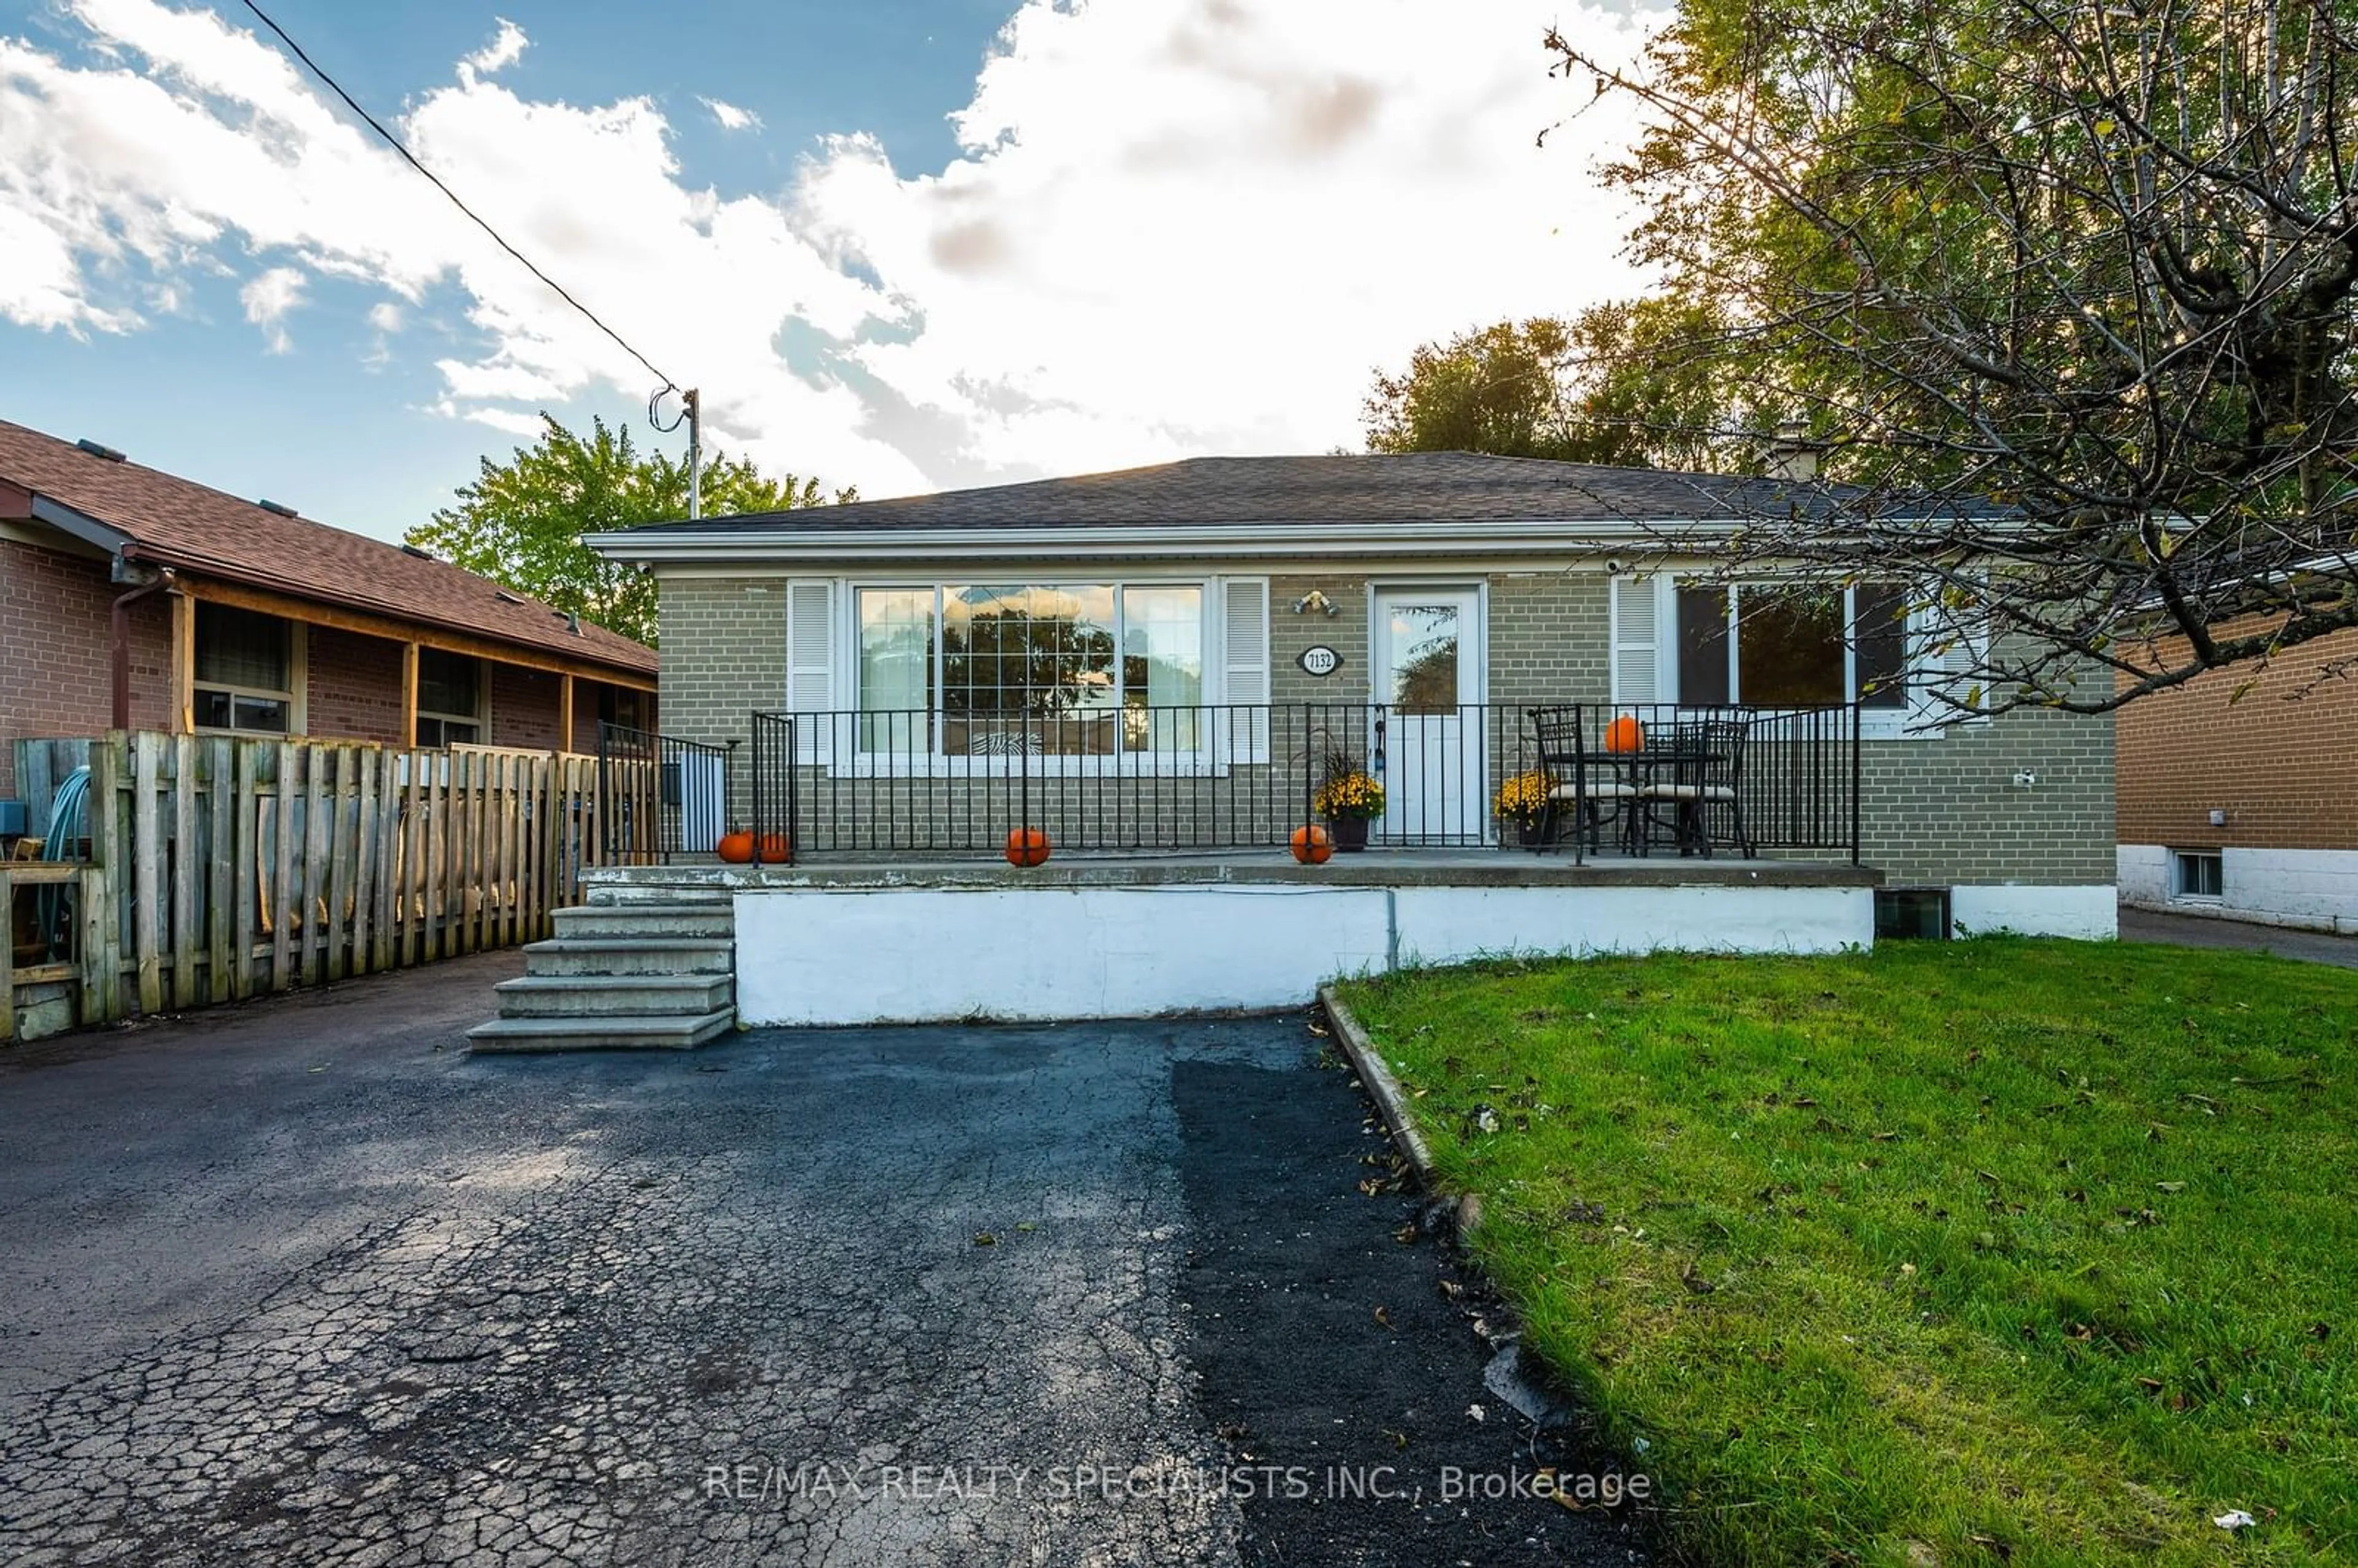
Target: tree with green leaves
(2067, 293)
(1614, 384)
(522, 523)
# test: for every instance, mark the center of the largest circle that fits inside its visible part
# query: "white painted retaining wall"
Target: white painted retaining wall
(1977, 909)
(846, 956)
(2317, 889)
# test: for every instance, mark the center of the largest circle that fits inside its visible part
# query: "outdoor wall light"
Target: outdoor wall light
(1317, 601)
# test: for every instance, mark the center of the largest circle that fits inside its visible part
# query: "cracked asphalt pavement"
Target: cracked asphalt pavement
(302, 1282)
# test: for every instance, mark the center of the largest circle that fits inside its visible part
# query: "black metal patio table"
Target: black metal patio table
(1642, 768)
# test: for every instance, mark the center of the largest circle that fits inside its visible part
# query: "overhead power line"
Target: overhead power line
(411, 158)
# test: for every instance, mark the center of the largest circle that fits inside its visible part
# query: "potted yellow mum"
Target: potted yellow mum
(1348, 797)
(1523, 801)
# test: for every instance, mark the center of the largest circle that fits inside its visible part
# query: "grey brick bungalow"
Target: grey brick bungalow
(1493, 584)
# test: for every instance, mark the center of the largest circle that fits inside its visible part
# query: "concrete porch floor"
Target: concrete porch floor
(1472, 867)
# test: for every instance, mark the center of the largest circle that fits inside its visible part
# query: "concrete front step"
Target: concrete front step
(706, 919)
(631, 956)
(614, 996)
(639, 895)
(678, 1033)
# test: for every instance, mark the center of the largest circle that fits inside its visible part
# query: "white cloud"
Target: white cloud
(268, 298)
(506, 48)
(386, 316)
(526, 426)
(1176, 226)
(731, 116)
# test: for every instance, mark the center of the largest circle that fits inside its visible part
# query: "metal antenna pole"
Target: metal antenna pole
(695, 455)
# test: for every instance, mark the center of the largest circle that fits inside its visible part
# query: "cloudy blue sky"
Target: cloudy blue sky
(902, 243)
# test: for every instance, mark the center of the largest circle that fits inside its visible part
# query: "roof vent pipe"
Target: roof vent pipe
(280, 507)
(98, 450)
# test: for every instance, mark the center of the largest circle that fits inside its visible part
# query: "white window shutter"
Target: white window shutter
(1636, 617)
(810, 661)
(1244, 660)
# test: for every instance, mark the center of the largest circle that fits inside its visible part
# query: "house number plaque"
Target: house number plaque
(1319, 660)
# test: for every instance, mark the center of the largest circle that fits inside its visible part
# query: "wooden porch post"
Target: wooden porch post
(409, 697)
(184, 665)
(564, 713)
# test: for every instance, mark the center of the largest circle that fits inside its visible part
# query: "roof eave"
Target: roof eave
(1236, 541)
(229, 571)
(80, 525)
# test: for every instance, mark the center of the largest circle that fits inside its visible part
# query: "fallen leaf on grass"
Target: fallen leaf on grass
(2169, 1186)
(1383, 1317)
(2234, 1519)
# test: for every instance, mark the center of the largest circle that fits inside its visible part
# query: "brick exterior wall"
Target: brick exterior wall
(1935, 811)
(55, 654)
(1946, 810)
(1550, 638)
(354, 686)
(724, 656)
(524, 708)
(2284, 767)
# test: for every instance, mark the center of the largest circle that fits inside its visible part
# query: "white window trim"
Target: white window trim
(848, 760)
(1920, 719)
(2177, 894)
(296, 699)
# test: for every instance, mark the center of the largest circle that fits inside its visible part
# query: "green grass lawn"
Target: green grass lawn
(2037, 1251)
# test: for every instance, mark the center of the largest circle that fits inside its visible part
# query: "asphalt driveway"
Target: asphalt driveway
(2200, 931)
(302, 1281)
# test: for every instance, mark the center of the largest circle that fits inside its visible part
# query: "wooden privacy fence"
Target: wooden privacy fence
(220, 869)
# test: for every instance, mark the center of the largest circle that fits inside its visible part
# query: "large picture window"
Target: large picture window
(1793, 644)
(244, 670)
(1063, 669)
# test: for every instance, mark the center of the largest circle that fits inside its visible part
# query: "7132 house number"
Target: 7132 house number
(1319, 660)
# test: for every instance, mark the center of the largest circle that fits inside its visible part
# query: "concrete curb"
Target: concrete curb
(1391, 1100)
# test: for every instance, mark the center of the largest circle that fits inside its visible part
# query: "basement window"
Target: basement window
(1911, 915)
(2200, 875)
(244, 671)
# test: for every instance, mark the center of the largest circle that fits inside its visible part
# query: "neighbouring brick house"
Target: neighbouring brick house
(910, 636)
(237, 616)
(2239, 791)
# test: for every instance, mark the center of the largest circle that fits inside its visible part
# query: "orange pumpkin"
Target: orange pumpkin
(1625, 734)
(737, 848)
(1312, 846)
(1026, 847)
(777, 849)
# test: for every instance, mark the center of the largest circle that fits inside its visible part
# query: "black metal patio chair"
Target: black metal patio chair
(1572, 793)
(1705, 780)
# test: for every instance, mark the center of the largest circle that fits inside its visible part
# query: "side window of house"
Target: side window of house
(244, 670)
(449, 698)
(1793, 644)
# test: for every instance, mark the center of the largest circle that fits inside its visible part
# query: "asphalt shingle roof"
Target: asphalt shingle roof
(178, 521)
(1388, 488)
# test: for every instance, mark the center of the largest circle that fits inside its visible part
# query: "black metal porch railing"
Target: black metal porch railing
(775, 780)
(662, 795)
(1218, 776)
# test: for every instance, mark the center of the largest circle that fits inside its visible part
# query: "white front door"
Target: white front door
(1428, 674)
